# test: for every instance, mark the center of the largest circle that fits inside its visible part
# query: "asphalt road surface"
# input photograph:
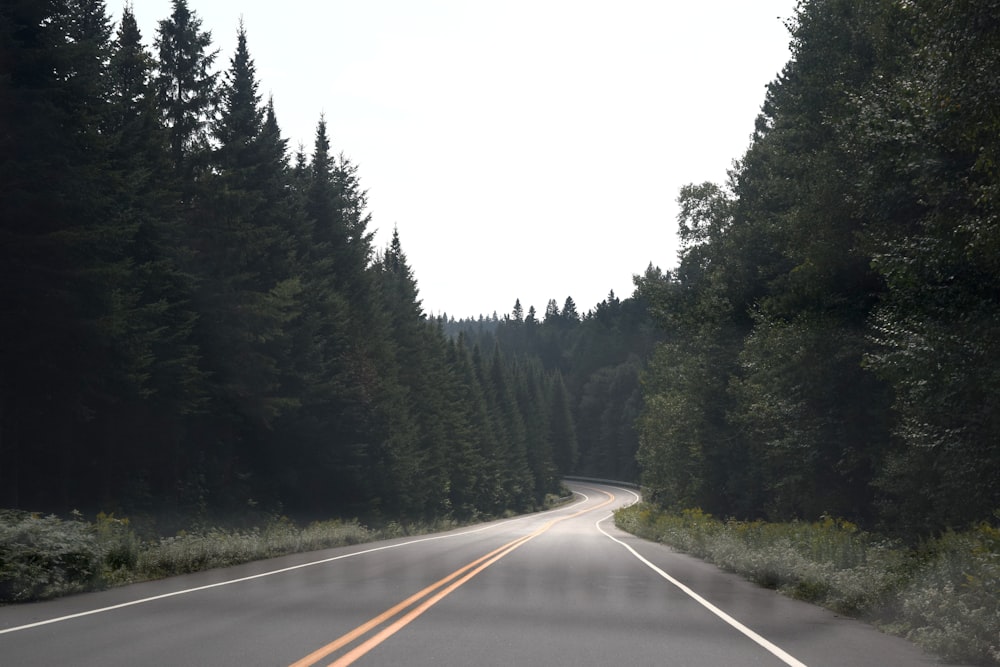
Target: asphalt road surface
(556, 588)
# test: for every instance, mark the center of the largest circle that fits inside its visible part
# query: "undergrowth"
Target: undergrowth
(46, 556)
(944, 594)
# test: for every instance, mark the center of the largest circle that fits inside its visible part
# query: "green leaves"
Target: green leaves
(832, 322)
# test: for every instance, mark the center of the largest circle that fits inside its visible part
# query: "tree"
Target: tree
(563, 429)
(928, 137)
(51, 253)
(186, 86)
(153, 334)
(517, 315)
(551, 311)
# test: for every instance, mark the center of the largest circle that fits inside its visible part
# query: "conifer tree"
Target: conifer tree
(533, 405)
(517, 482)
(246, 295)
(153, 337)
(186, 86)
(569, 312)
(517, 315)
(563, 430)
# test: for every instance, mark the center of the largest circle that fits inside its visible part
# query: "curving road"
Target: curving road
(556, 588)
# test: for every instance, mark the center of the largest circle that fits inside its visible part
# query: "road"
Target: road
(556, 588)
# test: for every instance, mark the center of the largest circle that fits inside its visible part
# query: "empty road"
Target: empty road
(556, 588)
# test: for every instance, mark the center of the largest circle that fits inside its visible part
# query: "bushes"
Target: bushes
(952, 605)
(216, 547)
(944, 595)
(43, 557)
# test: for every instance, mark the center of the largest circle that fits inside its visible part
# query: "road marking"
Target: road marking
(389, 613)
(429, 597)
(775, 650)
(228, 582)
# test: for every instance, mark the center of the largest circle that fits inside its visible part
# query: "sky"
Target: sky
(524, 149)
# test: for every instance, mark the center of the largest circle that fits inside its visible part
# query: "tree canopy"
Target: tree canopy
(197, 323)
(831, 327)
(195, 327)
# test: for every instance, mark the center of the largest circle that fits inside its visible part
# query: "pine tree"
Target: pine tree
(563, 433)
(186, 87)
(533, 405)
(517, 315)
(152, 333)
(63, 248)
(569, 312)
(246, 294)
(551, 311)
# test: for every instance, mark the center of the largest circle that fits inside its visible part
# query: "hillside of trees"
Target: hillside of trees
(196, 322)
(833, 327)
(594, 361)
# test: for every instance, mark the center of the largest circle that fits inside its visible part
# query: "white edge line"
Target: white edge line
(101, 610)
(777, 651)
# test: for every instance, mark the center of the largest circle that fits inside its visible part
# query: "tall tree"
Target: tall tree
(186, 86)
(152, 334)
(246, 294)
(563, 429)
(929, 140)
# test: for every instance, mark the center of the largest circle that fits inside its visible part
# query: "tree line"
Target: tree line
(832, 339)
(196, 319)
(197, 323)
(595, 359)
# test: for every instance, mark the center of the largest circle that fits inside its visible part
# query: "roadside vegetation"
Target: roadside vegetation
(44, 557)
(941, 593)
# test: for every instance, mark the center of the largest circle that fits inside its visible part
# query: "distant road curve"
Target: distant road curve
(563, 587)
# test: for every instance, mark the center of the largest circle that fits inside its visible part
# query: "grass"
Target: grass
(46, 556)
(944, 594)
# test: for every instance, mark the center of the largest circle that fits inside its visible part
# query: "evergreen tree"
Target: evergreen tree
(569, 312)
(927, 140)
(153, 334)
(246, 294)
(551, 311)
(186, 87)
(57, 254)
(490, 438)
(517, 315)
(533, 405)
(563, 429)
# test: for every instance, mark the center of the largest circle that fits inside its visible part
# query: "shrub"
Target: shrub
(952, 606)
(945, 595)
(45, 556)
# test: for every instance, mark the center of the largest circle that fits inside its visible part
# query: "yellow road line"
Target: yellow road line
(389, 613)
(475, 566)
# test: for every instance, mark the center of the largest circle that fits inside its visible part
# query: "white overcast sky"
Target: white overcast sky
(526, 149)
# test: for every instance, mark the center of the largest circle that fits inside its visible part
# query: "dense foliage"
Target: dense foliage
(589, 368)
(834, 321)
(197, 325)
(44, 556)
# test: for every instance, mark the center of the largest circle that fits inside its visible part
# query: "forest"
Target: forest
(197, 322)
(198, 327)
(833, 325)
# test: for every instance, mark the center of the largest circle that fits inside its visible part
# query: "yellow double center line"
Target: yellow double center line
(429, 596)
